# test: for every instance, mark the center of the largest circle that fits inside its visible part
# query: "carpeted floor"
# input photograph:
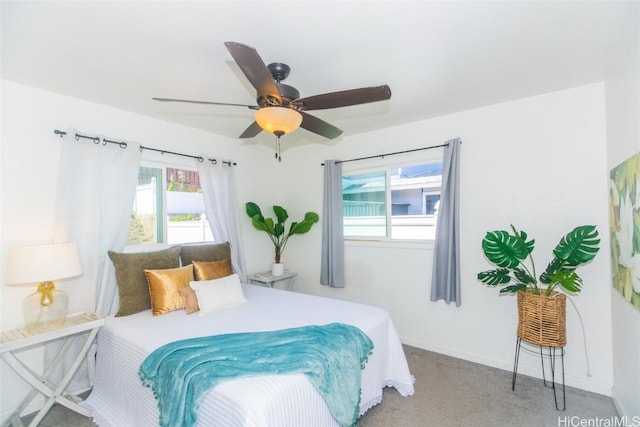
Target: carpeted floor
(453, 392)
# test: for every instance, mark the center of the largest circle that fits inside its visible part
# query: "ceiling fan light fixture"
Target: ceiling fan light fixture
(278, 120)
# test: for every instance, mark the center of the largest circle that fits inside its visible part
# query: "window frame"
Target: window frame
(162, 204)
(385, 165)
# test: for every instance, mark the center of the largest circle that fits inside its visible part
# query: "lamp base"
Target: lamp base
(46, 307)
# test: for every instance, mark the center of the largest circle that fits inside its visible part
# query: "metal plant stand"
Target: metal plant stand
(553, 353)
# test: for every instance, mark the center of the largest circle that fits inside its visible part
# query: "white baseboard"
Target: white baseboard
(625, 413)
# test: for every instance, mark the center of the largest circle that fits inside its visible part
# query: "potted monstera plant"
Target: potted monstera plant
(541, 301)
(276, 229)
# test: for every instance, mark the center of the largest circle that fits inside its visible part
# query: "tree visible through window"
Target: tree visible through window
(397, 203)
(169, 208)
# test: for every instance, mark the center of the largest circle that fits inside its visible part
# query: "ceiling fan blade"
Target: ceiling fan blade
(319, 126)
(345, 98)
(256, 71)
(251, 131)
(189, 101)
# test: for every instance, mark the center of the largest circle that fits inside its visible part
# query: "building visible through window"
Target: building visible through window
(169, 208)
(396, 203)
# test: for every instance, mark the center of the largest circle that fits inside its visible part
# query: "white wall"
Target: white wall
(623, 140)
(29, 154)
(538, 163)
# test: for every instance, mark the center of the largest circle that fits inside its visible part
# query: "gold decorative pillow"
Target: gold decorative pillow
(164, 288)
(190, 299)
(212, 270)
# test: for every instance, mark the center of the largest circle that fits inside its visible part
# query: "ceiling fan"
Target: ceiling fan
(280, 109)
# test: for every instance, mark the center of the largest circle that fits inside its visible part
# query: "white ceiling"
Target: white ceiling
(437, 57)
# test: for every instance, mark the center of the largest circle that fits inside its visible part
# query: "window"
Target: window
(397, 203)
(168, 208)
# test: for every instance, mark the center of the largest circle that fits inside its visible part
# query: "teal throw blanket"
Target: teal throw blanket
(332, 357)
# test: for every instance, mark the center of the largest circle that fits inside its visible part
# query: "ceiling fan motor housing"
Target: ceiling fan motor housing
(288, 94)
(279, 72)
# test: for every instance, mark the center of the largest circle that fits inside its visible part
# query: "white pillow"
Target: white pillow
(218, 293)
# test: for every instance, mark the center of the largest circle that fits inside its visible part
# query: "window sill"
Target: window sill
(383, 243)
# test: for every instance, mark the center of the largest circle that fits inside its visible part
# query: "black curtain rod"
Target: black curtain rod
(123, 145)
(389, 154)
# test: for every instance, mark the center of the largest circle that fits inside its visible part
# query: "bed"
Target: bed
(119, 399)
(161, 305)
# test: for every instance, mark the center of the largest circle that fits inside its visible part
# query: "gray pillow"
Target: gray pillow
(133, 288)
(206, 252)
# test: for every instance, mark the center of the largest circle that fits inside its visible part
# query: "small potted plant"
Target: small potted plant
(541, 309)
(276, 229)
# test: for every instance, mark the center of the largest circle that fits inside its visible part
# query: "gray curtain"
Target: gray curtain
(445, 282)
(332, 268)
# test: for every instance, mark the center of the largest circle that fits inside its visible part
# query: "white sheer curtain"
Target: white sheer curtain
(96, 189)
(221, 206)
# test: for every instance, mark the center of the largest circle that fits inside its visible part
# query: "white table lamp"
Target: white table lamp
(44, 264)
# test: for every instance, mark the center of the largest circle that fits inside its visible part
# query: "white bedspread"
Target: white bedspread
(118, 398)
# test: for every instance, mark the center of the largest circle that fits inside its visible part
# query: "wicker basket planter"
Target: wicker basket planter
(542, 319)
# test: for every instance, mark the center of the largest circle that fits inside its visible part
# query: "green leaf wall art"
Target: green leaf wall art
(624, 221)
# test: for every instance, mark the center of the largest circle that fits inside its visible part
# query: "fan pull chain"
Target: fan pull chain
(277, 155)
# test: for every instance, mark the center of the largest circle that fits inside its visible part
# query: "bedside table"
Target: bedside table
(19, 339)
(268, 279)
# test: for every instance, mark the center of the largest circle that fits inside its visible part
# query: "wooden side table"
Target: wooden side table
(18, 339)
(268, 279)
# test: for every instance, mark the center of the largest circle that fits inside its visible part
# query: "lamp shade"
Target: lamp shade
(34, 264)
(278, 120)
